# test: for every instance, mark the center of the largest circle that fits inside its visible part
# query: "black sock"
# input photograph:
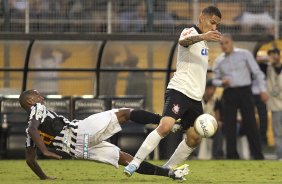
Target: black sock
(144, 117)
(150, 169)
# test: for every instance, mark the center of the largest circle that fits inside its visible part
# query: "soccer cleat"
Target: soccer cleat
(177, 126)
(129, 169)
(180, 172)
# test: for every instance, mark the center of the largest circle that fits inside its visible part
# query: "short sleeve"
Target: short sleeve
(28, 141)
(187, 31)
(38, 112)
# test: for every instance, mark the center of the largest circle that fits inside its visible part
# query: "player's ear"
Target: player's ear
(30, 102)
(201, 18)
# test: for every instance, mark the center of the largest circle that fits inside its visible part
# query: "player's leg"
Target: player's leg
(277, 131)
(184, 149)
(230, 101)
(248, 116)
(108, 153)
(150, 143)
(174, 108)
(192, 140)
(97, 128)
(150, 169)
(142, 117)
(101, 126)
(138, 116)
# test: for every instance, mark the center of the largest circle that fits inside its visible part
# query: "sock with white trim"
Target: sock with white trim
(150, 143)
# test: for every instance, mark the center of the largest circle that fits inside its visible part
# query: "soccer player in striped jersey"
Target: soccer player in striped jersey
(83, 139)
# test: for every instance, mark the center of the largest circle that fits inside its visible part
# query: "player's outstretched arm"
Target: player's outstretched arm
(188, 39)
(35, 136)
(30, 156)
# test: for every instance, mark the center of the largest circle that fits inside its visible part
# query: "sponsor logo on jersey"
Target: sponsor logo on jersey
(204, 52)
(175, 108)
(85, 146)
(186, 32)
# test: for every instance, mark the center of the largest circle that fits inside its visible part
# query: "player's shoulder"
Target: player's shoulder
(189, 31)
(37, 111)
(241, 50)
(245, 53)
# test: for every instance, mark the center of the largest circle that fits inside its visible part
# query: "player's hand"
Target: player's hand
(225, 82)
(52, 155)
(212, 36)
(264, 96)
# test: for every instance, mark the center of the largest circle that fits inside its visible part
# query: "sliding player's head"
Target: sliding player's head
(29, 98)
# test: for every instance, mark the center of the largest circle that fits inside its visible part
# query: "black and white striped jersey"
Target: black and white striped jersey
(55, 130)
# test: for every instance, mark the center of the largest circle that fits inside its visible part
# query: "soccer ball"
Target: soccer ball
(205, 125)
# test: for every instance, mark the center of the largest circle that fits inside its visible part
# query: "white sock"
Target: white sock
(181, 153)
(150, 143)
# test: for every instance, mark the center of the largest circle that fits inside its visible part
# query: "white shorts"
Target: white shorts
(91, 135)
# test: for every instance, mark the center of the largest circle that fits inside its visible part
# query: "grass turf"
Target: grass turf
(78, 172)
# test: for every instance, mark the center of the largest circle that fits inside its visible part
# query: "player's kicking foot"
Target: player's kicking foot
(129, 169)
(180, 172)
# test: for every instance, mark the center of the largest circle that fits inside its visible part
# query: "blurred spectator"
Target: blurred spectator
(49, 14)
(233, 71)
(134, 18)
(108, 80)
(98, 10)
(261, 107)
(257, 16)
(80, 10)
(163, 21)
(212, 105)
(49, 58)
(274, 86)
(17, 6)
(242, 141)
(136, 83)
(52, 6)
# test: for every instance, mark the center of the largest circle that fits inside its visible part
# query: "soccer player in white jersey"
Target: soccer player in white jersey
(184, 91)
(82, 139)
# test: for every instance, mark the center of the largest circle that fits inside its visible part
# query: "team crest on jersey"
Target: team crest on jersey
(186, 32)
(175, 108)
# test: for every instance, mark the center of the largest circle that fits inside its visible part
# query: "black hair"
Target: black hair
(273, 51)
(212, 10)
(24, 97)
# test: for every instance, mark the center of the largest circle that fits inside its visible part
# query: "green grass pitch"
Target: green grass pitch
(84, 172)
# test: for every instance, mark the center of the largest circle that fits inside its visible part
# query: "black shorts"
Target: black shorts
(179, 106)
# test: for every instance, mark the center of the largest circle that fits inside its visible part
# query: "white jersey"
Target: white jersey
(191, 67)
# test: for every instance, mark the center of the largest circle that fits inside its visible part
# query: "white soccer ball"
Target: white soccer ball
(205, 125)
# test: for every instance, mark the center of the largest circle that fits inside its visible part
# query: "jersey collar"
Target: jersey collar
(197, 29)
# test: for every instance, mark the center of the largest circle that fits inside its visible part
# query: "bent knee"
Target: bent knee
(165, 126)
(193, 139)
(123, 114)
